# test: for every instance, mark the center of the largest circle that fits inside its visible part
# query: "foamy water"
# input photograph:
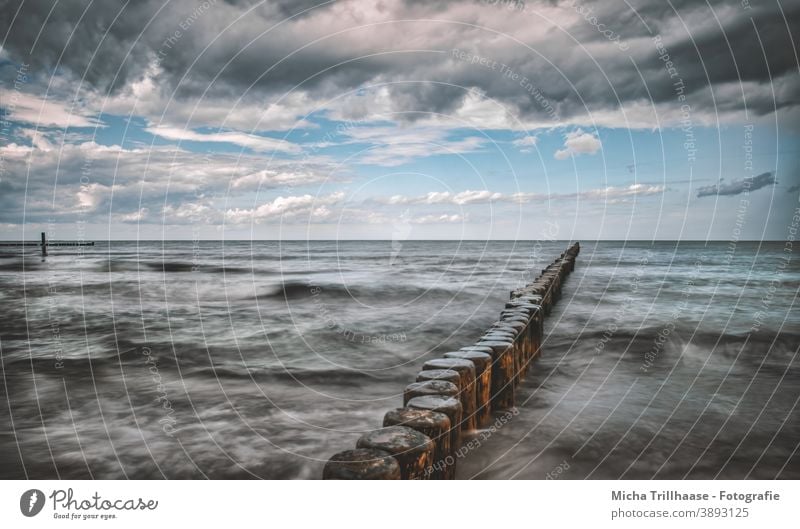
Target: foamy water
(262, 359)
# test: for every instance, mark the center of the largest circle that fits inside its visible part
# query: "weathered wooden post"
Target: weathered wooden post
(451, 407)
(466, 371)
(502, 373)
(430, 387)
(440, 374)
(412, 449)
(44, 245)
(517, 324)
(535, 331)
(483, 382)
(362, 463)
(518, 314)
(435, 425)
(516, 348)
(520, 324)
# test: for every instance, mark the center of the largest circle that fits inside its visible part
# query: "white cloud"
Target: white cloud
(578, 142)
(288, 176)
(291, 206)
(136, 216)
(87, 174)
(525, 143)
(629, 191)
(438, 219)
(436, 197)
(195, 211)
(250, 141)
(38, 139)
(27, 108)
(472, 197)
(486, 196)
(392, 146)
(91, 196)
(445, 197)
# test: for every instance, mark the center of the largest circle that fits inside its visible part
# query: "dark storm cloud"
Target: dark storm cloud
(48, 36)
(267, 48)
(737, 187)
(426, 97)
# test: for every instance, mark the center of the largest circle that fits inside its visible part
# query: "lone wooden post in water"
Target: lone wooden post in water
(44, 245)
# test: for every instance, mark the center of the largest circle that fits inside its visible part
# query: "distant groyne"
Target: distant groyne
(44, 243)
(458, 393)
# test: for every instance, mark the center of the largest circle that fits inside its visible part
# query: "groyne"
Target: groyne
(457, 394)
(44, 243)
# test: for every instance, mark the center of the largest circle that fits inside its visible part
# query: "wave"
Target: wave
(768, 348)
(168, 267)
(298, 290)
(335, 376)
(49, 364)
(28, 265)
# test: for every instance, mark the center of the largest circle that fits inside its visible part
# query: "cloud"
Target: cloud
(485, 196)
(619, 192)
(27, 108)
(289, 175)
(244, 67)
(250, 141)
(76, 181)
(136, 216)
(438, 219)
(473, 197)
(312, 207)
(578, 142)
(736, 187)
(444, 197)
(526, 143)
(392, 146)
(245, 57)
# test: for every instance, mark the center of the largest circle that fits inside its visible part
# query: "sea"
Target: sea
(261, 359)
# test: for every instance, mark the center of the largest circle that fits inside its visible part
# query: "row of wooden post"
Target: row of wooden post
(456, 394)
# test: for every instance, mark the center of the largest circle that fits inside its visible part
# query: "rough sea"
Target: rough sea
(261, 359)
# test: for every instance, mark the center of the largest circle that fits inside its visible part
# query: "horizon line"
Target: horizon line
(36, 241)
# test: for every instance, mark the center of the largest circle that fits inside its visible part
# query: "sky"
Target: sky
(488, 119)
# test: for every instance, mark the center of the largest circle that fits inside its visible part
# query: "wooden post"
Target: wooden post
(505, 331)
(413, 450)
(440, 374)
(429, 387)
(502, 373)
(44, 245)
(431, 423)
(451, 407)
(483, 382)
(516, 351)
(466, 371)
(362, 463)
(518, 325)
